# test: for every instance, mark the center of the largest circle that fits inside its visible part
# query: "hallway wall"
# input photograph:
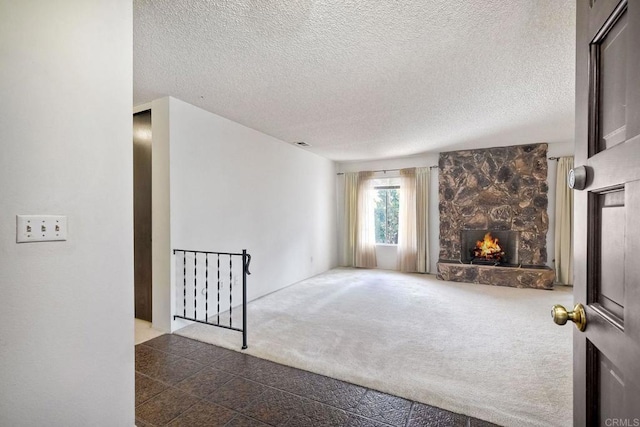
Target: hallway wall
(66, 308)
(234, 188)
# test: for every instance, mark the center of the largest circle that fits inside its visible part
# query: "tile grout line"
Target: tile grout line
(410, 414)
(240, 414)
(270, 387)
(348, 412)
(199, 399)
(233, 376)
(173, 386)
(307, 397)
(188, 354)
(185, 358)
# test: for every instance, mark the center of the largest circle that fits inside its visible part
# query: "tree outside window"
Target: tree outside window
(387, 206)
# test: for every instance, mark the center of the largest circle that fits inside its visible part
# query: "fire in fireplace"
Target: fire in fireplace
(490, 247)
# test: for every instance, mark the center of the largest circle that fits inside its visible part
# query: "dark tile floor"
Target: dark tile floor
(182, 382)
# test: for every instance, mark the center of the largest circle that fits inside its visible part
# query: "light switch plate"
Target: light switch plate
(40, 228)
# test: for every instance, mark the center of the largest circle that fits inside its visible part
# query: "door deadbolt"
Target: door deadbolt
(577, 178)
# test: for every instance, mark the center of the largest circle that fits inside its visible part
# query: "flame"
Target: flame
(488, 248)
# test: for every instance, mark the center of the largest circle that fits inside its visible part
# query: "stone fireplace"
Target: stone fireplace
(501, 192)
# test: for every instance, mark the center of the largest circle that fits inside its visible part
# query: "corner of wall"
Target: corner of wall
(161, 216)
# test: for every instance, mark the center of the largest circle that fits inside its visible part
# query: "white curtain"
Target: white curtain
(407, 235)
(365, 251)
(351, 218)
(564, 223)
(422, 219)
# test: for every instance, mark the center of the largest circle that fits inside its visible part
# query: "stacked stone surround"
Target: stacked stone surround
(502, 188)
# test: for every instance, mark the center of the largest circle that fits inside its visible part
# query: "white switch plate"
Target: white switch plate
(40, 228)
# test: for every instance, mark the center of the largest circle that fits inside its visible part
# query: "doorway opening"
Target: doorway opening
(142, 252)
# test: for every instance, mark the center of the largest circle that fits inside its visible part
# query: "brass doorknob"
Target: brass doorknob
(561, 315)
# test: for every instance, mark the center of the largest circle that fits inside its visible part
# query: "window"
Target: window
(387, 204)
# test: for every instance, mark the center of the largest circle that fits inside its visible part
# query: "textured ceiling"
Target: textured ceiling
(367, 79)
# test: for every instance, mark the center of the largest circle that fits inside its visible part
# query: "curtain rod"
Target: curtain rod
(388, 170)
(558, 158)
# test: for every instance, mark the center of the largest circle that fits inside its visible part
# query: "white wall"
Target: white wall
(161, 259)
(387, 255)
(66, 309)
(234, 188)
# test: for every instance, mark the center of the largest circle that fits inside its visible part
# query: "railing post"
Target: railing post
(244, 299)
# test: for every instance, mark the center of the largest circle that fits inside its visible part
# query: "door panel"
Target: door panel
(607, 276)
(610, 389)
(609, 232)
(610, 55)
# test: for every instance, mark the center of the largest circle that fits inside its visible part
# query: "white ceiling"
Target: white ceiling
(367, 79)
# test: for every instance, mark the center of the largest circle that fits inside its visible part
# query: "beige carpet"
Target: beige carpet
(485, 351)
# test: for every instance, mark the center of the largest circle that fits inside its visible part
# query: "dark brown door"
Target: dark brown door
(142, 214)
(607, 213)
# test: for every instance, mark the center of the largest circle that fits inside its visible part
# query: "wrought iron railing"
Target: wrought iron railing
(192, 273)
